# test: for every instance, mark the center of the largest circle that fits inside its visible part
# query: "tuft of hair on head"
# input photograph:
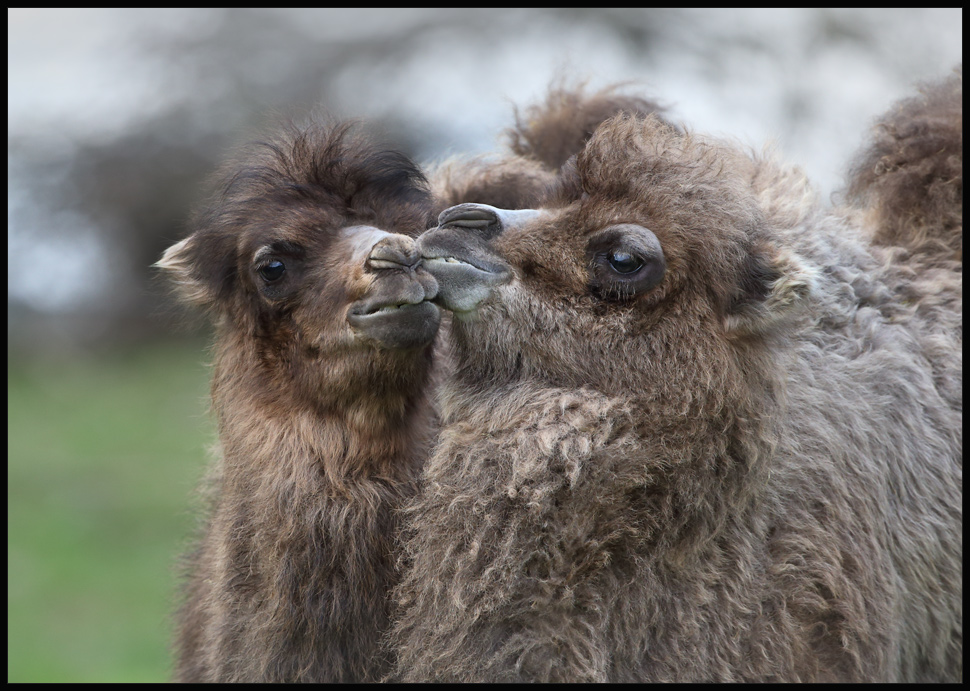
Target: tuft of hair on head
(325, 166)
(553, 131)
(910, 176)
(334, 164)
(506, 183)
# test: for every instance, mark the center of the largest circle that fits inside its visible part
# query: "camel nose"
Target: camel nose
(394, 252)
(484, 220)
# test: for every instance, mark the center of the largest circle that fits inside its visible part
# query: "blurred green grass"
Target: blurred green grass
(104, 455)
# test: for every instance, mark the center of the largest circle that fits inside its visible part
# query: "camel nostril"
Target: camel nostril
(472, 216)
(388, 254)
(486, 221)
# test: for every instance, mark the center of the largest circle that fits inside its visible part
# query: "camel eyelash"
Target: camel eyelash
(276, 251)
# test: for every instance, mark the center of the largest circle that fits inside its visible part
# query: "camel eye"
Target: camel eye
(624, 262)
(272, 271)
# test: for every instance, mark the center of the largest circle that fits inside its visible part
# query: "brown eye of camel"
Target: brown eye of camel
(272, 271)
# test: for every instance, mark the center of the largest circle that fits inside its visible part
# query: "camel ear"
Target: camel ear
(775, 287)
(180, 263)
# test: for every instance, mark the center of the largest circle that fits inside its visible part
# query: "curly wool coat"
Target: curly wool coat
(750, 473)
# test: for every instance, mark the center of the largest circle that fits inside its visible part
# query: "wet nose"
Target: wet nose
(484, 220)
(394, 252)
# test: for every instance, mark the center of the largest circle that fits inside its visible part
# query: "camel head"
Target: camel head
(649, 264)
(306, 259)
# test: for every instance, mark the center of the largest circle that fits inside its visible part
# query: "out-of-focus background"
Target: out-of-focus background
(115, 118)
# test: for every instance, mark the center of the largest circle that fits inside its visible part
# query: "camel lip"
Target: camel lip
(407, 326)
(449, 248)
(466, 268)
(365, 310)
(437, 260)
(450, 261)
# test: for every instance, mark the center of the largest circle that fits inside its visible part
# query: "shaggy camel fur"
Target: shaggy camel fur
(911, 175)
(542, 140)
(321, 389)
(322, 385)
(699, 429)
